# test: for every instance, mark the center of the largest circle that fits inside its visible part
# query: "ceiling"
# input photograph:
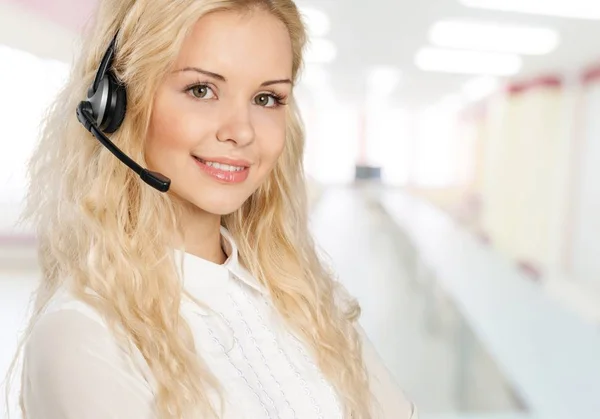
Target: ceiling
(390, 32)
(385, 32)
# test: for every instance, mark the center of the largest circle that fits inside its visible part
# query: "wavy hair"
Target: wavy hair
(100, 228)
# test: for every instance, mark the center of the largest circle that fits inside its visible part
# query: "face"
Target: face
(218, 123)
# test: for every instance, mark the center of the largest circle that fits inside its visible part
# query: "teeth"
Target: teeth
(224, 167)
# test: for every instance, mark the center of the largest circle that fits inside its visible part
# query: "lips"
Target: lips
(224, 175)
(224, 160)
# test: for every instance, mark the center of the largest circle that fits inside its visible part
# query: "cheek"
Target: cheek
(170, 132)
(271, 132)
(273, 145)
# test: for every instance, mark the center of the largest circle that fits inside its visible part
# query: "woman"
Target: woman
(208, 300)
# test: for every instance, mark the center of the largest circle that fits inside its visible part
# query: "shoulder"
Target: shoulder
(65, 304)
(66, 321)
(64, 333)
(70, 335)
(72, 361)
(69, 329)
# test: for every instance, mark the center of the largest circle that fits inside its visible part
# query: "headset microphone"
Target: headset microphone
(103, 112)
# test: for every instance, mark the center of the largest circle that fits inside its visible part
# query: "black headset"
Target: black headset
(104, 111)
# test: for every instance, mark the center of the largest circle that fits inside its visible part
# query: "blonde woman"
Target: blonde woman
(188, 287)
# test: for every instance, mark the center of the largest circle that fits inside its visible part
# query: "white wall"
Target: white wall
(586, 263)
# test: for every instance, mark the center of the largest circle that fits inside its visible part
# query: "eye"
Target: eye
(201, 91)
(268, 100)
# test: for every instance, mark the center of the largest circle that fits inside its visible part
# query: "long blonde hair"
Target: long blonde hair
(104, 230)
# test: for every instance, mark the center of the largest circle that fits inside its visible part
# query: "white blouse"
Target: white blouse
(75, 369)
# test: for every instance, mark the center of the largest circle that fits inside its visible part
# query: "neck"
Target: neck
(202, 234)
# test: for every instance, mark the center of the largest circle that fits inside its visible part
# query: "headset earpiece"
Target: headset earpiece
(107, 95)
(104, 111)
(116, 105)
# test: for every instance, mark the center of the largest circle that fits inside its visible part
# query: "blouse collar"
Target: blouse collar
(201, 276)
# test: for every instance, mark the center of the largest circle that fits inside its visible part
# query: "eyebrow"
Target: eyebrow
(222, 78)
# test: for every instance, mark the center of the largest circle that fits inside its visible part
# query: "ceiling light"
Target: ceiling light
(317, 22)
(319, 51)
(579, 9)
(467, 62)
(493, 37)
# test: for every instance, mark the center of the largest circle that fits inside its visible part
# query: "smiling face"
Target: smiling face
(218, 122)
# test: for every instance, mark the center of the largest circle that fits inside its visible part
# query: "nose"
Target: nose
(236, 126)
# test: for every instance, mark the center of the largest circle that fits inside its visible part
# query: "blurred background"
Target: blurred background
(453, 155)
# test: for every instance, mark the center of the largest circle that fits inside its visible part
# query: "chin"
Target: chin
(218, 206)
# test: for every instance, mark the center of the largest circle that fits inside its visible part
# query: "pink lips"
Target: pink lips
(225, 175)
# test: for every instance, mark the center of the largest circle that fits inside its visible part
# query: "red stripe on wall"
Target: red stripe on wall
(536, 83)
(591, 75)
(17, 240)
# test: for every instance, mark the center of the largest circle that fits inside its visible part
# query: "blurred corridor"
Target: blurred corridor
(423, 341)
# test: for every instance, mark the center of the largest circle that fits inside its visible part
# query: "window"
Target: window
(28, 85)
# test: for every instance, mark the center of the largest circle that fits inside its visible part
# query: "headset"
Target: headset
(104, 111)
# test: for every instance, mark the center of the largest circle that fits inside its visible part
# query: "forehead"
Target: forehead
(252, 43)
